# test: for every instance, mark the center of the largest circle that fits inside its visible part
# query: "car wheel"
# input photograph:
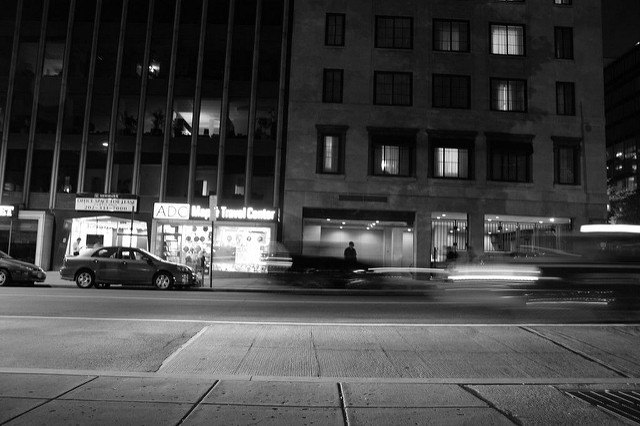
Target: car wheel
(5, 278)
(84, 279)
(163, 281)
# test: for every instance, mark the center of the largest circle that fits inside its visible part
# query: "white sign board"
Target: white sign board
(106, 203)
(173, 211)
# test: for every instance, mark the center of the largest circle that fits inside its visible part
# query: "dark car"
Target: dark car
(17, 271)
(103, 266)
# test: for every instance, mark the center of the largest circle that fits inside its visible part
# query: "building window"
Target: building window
(334, 30)
(565, 98)
(564, 42)
(393, 88)
(566, 158)
(392, 152)
(331, 141)
(332, 86)
(451, 163)
(451, 91)
(563, 2)
(394, 32)
(450, 36)
(510, 161)
(507, 39)
(508, 95)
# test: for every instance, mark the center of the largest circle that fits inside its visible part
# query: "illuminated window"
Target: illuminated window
(507, 39)
(508, 95)
(450, 36)
(331, 140)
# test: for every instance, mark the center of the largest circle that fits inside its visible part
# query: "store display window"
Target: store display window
(98, 231)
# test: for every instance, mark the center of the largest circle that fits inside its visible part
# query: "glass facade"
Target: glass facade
(127, 97)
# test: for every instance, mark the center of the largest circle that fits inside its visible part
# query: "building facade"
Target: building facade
(119, 120)
(622, 109)
(421, 128)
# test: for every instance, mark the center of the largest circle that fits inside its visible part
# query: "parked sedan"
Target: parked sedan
(17, 271)
(103, 266)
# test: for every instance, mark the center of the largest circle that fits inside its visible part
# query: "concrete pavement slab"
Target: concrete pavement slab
(39, 385)
(426, 416)
(288, 394)
(142, 389)
(13, 407)
(543, 405)
(403, 395)
(107, 413)
(265, 416)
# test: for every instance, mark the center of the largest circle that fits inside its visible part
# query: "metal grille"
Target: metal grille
(448, 236)
(506, 236)
(624, 403)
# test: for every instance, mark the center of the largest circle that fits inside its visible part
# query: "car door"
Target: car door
(135, 267)
(105, 263)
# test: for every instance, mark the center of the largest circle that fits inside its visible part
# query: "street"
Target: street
(120, 355)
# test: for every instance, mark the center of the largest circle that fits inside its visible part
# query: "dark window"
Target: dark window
(392, 154)
(394, 32)
(508, 95)
(450, 36)
(451, 91)
(564, 42)
(393, 88)
(507, 39)
(565, 98)
(510, 162)
(331, 142)
(110, 252)
(334, 31)
(332, 86)
(566, 158)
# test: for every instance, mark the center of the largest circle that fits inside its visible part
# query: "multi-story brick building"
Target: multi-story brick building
(420, 127)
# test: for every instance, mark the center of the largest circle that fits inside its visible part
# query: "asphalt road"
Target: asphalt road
(292, 335)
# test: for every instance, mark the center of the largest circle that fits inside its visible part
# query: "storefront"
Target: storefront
(26, 235)
(112, 225)
(238, 239)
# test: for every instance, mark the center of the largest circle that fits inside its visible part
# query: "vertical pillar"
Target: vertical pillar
(251, 133)
(475, 223)
(422, 239)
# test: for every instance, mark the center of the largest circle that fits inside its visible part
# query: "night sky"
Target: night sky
(620, 27)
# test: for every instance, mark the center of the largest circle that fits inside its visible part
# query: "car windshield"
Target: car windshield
(4, 255)
(151, 255)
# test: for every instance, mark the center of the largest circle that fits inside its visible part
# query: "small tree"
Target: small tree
(624, 205)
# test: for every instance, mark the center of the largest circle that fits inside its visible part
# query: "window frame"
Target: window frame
(568, 108)
(450, 77)
(509, 147)
(435, 46)
(326, 72)
(328, 36)
(507, 26)
(562, 36)
(394, 74)
(574, 145)
(340, 132)
(402, 138)
(510, 81)
(448, 139)
(396, 42)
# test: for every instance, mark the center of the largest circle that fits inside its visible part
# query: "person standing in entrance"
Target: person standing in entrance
(75, 247)
(350, 255)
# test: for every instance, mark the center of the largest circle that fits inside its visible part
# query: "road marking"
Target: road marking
(308, 324)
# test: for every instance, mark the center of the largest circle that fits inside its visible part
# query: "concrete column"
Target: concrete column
(475, 223)
(422, 239)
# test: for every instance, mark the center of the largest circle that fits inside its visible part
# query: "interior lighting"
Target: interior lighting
(328, 220)
(105, 144)
(552, 220)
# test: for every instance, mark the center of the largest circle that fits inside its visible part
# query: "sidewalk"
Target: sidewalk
(61, 398)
